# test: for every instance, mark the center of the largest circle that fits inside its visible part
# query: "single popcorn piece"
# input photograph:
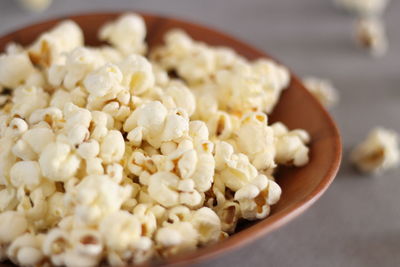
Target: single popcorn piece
(110, 156)
(323, 90)
(26, 250)
(364, 7)
(127, 34)
(36, 5)
(255, 198)
(378, 152)
(57, 162)
(12, 225)
(15, 69)
(49, 47)
(290, 146)
(370, 33)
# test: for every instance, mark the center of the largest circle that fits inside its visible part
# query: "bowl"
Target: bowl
(297, 108)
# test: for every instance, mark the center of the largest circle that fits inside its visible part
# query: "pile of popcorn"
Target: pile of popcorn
(108, 156)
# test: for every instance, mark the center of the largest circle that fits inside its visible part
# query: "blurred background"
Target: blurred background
(357, 222)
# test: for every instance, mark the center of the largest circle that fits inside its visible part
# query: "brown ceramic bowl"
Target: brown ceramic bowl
(301, 187)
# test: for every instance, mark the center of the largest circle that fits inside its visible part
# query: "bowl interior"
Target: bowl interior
(296, 108)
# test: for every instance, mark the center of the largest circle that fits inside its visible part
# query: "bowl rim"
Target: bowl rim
(264, 226)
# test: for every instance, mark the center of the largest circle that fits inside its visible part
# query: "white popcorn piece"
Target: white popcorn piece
(290, 146)
(28, 99)
(378, 152)
(57, 162)
(255, 198)
(36, 5)
(25, 174)
(97, 196)
(112, 148)
(60, 98)
(38, 138)
(229, 214)
(26, 250)
(56, 209)
(234, 169)
(88, 149)
(177, 238)
(323, 90)
(256, 139)
(55, 245)
(163, 188)
(370, 33)
(364, 7)
(208, 225)
(7, 159)
(105, 80)
(8, 199)
(52, 116)
(12, 225)
(15, 69)
(120, 230)
(50, 46)
(18, 127)
(137, 74)
(203, 175)
(127, 34)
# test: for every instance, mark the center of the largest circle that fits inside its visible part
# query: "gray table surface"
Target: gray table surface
(357, 222)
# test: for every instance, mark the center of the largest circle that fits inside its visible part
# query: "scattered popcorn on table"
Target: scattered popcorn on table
(364, 7)
(371, 34)
(378, 152)
(323, 90)
(107, 157)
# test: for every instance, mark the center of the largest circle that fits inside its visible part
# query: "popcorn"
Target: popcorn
(370, 34)
(235, 170)
(323, 90)
(8, 200)
(97, 196)
(255, 198)
(378, 152)
(364, 7)
(138, 74)
(108, 156)
(12, 225)
(25, 174)
(180, 97)
(36, 139)
(78, 63)
(177, 238)
(57, 162)
(255, 139)
(161, 188)
(290, 146)
(55, 245)
(50, 46)
(36, 5)
(15, 69)
(28, 99)
(112, 148)
(126, 34)
(208, 225)
(105, 80)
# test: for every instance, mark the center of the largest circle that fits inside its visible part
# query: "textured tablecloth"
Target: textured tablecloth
(357, 222)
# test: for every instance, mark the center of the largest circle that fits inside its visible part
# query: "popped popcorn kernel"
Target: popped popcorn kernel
(378, 152)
